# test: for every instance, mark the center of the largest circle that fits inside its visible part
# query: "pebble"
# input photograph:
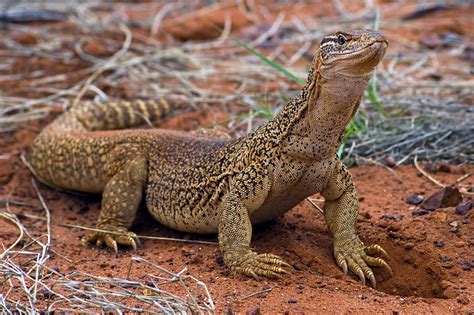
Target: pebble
(292, 301)
(299, 266)
(459, 244)
(254, 311)
(392, 217)
(443, 167)
(225, 273)
(419, 213)
(390, 161)
(464, 207)
(414, 199)
(454, 224)
(439, 244)
(408, 245)
(445, 258)
(432, 168)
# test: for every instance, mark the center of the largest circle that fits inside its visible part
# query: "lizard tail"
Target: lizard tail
(122, 114)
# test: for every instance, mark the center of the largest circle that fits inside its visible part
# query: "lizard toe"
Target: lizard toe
(112, 240)
(259, 265)
(351, 254)
(376, 249)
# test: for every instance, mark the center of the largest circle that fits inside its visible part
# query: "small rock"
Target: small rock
(103, 265)
(300, 287)
(299, 266)
(408, 245)
(432, 168)
(392, 217)
(454, 224)
(225, 273)
(463, 207)
(443, 167)
(390, 161)
(292, 301)
(220, 260)
(463, 300)
(432, 41)
(419, 213)
(254, 311)
(446, 197)
(414, 199)
(185, 249)
(439, 244)
(445, 258)
(459, 244)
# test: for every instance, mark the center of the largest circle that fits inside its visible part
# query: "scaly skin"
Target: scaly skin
(205, 182)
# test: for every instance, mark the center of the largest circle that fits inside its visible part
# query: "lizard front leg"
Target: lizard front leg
(235, 233)
(120, 201)
(340, 211)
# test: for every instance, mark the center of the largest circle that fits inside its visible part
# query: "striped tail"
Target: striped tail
(122, 114)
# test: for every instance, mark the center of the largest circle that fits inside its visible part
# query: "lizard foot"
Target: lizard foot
(254, 265)
(351, 252)
(111, 239)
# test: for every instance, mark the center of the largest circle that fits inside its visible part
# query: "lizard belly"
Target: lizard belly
(290, 187)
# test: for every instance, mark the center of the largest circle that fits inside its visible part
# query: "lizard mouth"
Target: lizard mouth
(375, 47)
(359, 63)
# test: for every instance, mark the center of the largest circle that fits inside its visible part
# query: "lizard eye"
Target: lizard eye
(341, 40)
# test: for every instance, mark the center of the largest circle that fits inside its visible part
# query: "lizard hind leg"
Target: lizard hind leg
(120, 201)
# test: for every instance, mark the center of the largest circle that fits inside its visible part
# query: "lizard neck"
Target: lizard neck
(326, 105)
(319, 114)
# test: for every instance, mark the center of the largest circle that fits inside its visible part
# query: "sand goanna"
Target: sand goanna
(204, 183)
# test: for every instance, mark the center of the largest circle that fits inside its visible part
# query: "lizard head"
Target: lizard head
(351, 54)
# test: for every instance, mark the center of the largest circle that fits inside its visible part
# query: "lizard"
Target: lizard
(205, 183)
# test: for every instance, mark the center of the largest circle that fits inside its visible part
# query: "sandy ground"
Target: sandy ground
(431, 255)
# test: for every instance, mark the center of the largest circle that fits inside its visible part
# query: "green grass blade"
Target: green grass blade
(290, 75)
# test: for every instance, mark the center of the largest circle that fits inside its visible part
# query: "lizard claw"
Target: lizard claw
(352, 254)
(372, 281)
(256, 265)
(112, 240)
(341, 262)
(361, 275)
(376, 249)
